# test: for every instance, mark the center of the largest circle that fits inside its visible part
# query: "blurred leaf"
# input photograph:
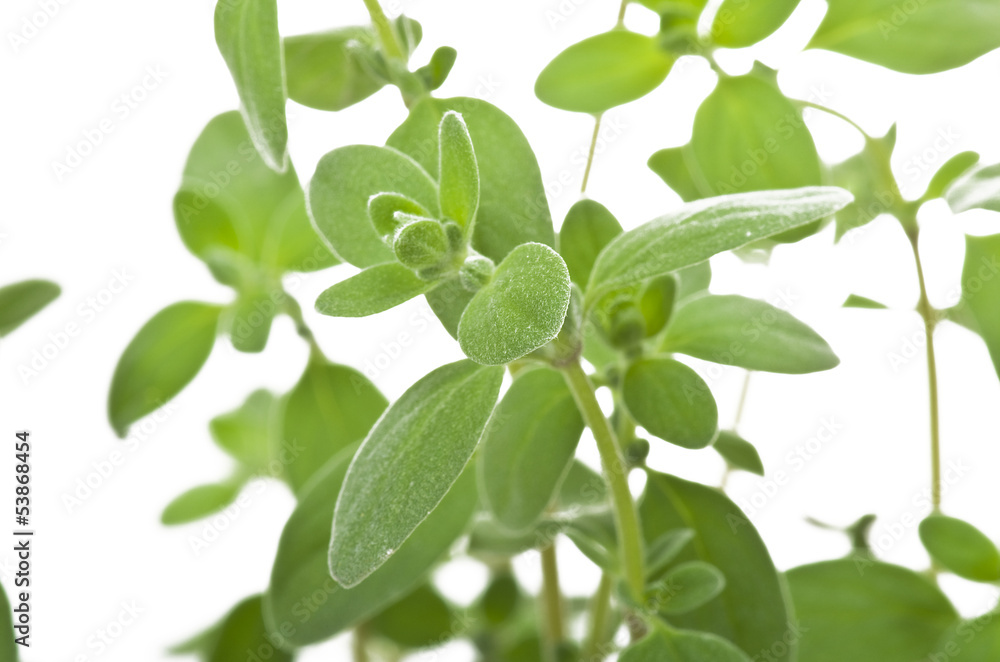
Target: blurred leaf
(656, 302)
(331, 407)
(978, 188)
(458, 175)
(372, 291)
(594, 534)
(685, 588)
(911, 38)
(702, 229)
(587, 229)
(868, 177)
(867, 611)
(513, 208)
(662, 551)
(521, 309)
(323, 74)
(435, 72)
(751, 611)
(604, 71)
(166, 354)
(501, 597)
(672, 166)
(973, 640)
(858, 301)
(407, 464)
(961, 548)
(448, 300)
(738, 452)
(734, 330)
(671, 401)
(247, 433)
(527, 448)
(8, 647)
(20, 301)
(981, 290)
(740, 23)
(249, 319)
(339, 191)
(201, 501)
(304, 599)
(247, 35)
(421, 619)
(949, 171)
(664, 645)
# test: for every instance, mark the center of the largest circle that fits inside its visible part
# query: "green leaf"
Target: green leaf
(345, 179)
(322, 72)
(20, 301)
(501, 598)
(420, 243)
(383, 207)
(974, 640)
(201, 501)
(301, 568)
(981, 290)
(961, 548)
(910, 38)
(664, 645)
(685, 588)
(867, 611)
(247, 35)
(858, 301)
(662, 551)
(671, 401)
(166, 354)
(458, 174)
(738, 452)
(699, 230)
(331, 407)
(604, 71)
(656, 303)
(421, 619)
(249, 320)
(243, 631)
(230, 201)
(977, 189)
(867, 176)
(372, 291)
(671, 164)
(435, 72)
(448, 300)
(528, 446)
(246, 433)
(521, 309)
(740, 23)
(513, 208)
(751, 611)
(407, 464)
(734, 330)
(950, 171)
(8, 647)
(587, 229)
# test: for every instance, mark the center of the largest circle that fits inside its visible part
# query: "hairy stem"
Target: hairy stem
(616, 474)
(555, 631)
(386, 35)
(595, 648)
(590, 153)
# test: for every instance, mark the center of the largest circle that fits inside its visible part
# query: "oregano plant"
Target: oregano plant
(583, 332)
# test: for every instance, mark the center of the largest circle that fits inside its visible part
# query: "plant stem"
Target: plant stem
(831, 111)
(743, 401)
(590, 154)
(294, 310)
(359, 642)
(594, 649)
(555, 630)
(615, 473)
(386, 35)
(621, 14)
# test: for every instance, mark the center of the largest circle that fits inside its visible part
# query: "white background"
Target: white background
(112, 214)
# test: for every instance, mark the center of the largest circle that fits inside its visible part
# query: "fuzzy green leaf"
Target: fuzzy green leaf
(322, 72)
(981, 290)
(339, 191)
(976, 189)
(587, 229)
(372, 291)
(961, 548)
(911, 38)
(247, 35)
(448, 300)
(751, 334)
(513, 208)
(247, 433)
(421, 619)
(738, 452)
(685, 588)
(20, 301)
(458, 173)
(166, 354)
(528, 447)
(664, 645)
(699, 230)
(671, 401)
(382, 209)
(200, 501)
(604, 71)
(301, 567)
(740, 23)
(867, 611)
(407, 464)
(331, 407)
(751, 611)
(521, 309)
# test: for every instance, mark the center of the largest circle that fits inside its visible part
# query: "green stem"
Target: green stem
(294, 310)
(743, 401)
(555, 631)
(600, 606)
(386, 35)
(831, 111)
(590, 154)
(615, 472)
(621, 14)
(359, 643)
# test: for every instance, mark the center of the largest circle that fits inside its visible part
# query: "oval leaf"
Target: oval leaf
(604, 71)
(247, 432)
(519, 310)
(738, 452)
(751, 334)
(961, 548)
(458, 174)
(664, 645)
(20, 301)
(407, 464)
(164, 356)
(685, 588)
(247, 35)
(242, 631)
(981, 290)
(671, 401)
(200, 502)
(372, 291)
(323, 74)
(528, 447)
(587, 229)
(419, 620)
(740, 23)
